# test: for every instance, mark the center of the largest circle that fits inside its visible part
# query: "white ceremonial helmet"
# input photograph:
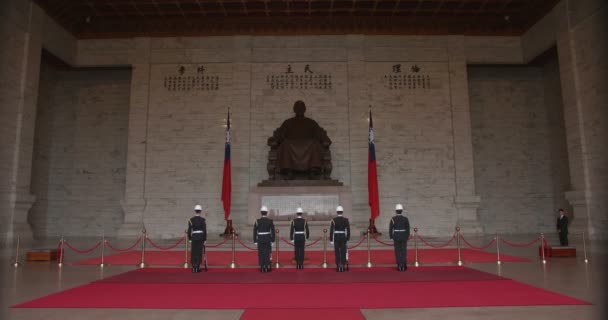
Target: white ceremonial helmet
(399, 206)
(264, 209)
(339, 209)
(299, 210)
(198, 207)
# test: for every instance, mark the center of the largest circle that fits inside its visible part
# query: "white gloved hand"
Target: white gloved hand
(205, 243)
(292, 241)
(189, 241)
(255, 243)
(332, 242)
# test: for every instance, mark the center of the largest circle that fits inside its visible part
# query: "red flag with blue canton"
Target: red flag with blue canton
(227, 181)
(372, 173)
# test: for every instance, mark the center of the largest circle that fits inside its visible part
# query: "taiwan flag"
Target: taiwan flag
(227, 181)
(372, 173)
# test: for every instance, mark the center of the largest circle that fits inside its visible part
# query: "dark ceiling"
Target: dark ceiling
(128, 18)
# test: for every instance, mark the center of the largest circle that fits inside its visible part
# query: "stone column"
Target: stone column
(20, 53)
(582, 30)
(466, 200)
(134, 203)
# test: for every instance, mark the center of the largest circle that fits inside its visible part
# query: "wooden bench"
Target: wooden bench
(42, 255)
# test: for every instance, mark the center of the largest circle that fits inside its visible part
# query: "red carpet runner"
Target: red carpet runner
(356, 257)
(366, 289)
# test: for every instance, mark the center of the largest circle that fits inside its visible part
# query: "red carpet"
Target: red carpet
(302, 314)
(477, 290)
(356, 257)
(294, 276)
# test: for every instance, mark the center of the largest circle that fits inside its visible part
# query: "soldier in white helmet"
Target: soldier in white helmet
(298, 234)
(339, 234)
(399, 231)
(263, 237)
(197, 234)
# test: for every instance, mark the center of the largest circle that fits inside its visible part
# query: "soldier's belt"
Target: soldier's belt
(339, 231)
(263, 233)
(198, 231)
(299, 232)
(399, 230)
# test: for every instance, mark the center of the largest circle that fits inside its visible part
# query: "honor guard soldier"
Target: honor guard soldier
(339, 234)
(263, 237)
(197, 234)
(298, 234)
(399, 231)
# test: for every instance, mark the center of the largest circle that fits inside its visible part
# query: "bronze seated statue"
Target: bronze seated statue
(299, 149)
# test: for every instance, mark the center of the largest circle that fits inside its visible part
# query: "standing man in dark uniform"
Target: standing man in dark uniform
(562, 228)
(263, 237)
(298, 234)
(339, 234)
(197, 234)
(399, 231)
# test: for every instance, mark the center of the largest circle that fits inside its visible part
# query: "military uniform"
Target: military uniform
(562, 228)
(263, 236)
(399, 231)
(197, 233)
(299, 234)
(339, 234)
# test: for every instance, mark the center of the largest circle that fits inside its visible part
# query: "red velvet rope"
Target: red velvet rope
(246, 246)
(358, 243)
(216, 245)
(382, 242)
(518, 244)
(478, 248)
(439, 246)
(314, 242)
(288, 242)
(124, 250)
(82, 251)
(167, 248)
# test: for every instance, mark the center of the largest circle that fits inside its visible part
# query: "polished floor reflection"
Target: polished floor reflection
(569, 276)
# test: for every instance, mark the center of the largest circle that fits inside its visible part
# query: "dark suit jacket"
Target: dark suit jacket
(562, 224)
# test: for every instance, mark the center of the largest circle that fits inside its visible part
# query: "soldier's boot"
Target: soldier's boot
(193, 269)
(262, 269)
(404, 267)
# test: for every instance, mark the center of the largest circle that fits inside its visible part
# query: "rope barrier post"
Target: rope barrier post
(17, 264)
(498, 262)
(232, 264)
(416, 262)
(584, 247)
(324, 264)
(60, 264)
(144, 238)
(186, 265)
(277, 264)
(542, 247)
(103, 246)
(459, 262)
(369, 249)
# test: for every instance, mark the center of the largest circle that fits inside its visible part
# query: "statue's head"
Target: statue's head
(299, 108)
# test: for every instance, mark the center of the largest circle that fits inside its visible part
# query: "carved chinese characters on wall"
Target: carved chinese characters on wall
(305, 79)
(193, 79)
(404, 78)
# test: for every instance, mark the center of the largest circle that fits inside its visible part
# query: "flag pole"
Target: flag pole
(227, 181)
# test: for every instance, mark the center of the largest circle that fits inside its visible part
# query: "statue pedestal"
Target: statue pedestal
(318, 199)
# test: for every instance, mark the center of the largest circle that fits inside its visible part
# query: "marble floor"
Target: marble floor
(570, 276)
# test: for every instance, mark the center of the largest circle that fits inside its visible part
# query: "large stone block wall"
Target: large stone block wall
(78, 168)
(520, 149)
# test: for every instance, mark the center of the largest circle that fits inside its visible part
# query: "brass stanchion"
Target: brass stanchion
(60, 264)
(17, 264)
(186, 265)
(369, 248)
(497, 250)
(103, 247)
(324, 264)
(542, 246)
(416, 262)
(144, 238)
(232, 264)
(277, 238)
(459, 262)
(584, 248)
